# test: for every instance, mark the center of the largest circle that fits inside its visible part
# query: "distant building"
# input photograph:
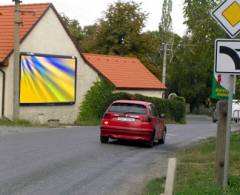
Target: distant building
(127, 74)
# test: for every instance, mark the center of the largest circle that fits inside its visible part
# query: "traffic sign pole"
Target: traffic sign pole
(227, 60)
(228, 133)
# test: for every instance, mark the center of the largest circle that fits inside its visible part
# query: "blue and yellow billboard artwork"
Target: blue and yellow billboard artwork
(47, 79)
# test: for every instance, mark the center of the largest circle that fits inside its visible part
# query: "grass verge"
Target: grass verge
(195, 171)
(90, 122)
(154, 186)
(7, 122)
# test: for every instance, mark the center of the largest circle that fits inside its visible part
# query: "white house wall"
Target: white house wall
(150, 93)
(49, 37)
(1, 90)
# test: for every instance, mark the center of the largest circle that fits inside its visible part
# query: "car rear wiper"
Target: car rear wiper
(131, 113)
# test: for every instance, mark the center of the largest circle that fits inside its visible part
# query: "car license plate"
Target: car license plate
(127, 119)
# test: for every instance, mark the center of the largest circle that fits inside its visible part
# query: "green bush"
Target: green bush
(96, 101)
(174, 109)
(101, 95)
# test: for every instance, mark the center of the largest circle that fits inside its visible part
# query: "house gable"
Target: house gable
(35, 12)
(49, 36)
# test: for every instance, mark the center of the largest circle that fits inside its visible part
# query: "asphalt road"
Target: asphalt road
(71, 161)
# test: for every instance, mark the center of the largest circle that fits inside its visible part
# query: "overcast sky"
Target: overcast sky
(88, 11)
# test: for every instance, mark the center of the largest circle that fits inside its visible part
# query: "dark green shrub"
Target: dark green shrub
(121, 96)
(96, 101)
(179, 98)
(178, 110)
(174, 109)
(101, 95)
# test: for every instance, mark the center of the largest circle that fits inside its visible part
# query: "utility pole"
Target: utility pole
(164, 63)
(165, 53)
(16, 67)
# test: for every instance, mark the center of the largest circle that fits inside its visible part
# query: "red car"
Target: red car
(133, 120)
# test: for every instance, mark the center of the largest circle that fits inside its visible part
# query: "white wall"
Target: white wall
(150, 93)
(1, 88)
(49, 37)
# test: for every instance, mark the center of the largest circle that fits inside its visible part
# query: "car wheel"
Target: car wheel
(162, 140)
(151, 142)
(214, 120)
(104, 140)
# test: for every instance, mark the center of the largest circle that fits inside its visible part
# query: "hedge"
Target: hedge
(101, 95)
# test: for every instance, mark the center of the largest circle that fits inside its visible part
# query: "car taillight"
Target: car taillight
(146, 119)
(107, 116)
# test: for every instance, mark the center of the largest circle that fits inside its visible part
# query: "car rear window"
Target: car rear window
(128, 108)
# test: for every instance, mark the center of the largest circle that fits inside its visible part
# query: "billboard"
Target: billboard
(47, 79)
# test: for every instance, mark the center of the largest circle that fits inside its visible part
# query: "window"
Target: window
(128, 108)
(153, 110)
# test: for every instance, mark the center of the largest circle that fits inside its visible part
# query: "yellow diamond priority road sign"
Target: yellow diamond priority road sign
(227, 14)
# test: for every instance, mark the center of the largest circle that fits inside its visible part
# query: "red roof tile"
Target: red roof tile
(7, 24)
(124, 72)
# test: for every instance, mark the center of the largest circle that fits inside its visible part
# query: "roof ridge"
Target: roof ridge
(112, 56)
(6, 28)
(26, 4)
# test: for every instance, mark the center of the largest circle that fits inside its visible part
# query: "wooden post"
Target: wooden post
(228, 131)
(222, 108)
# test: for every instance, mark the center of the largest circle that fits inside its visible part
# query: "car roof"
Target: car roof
(132, 102)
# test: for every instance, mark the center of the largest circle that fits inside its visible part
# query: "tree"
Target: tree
(149, 52)
(120, 29)
(165, 26)
(202, 29)
(119, 32)
(187, 77)
(89, 41)
(74, 28)
(195, 56)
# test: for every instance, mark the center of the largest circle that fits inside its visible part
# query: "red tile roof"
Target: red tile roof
(124, 72)
(7, 24)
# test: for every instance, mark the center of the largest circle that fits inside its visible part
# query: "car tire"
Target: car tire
(151, 142)
(214, 120)
(162, 140)
(104, 140)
